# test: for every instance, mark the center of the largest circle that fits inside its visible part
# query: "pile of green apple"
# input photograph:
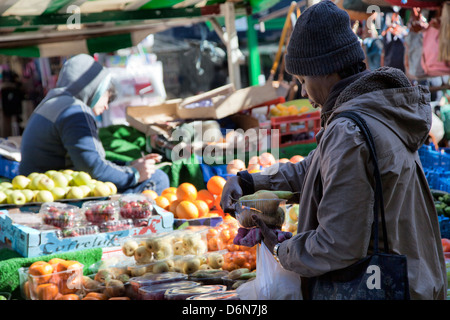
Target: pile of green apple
(53, 185)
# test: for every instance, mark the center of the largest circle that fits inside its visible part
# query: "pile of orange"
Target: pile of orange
(221, 237)
(186, 202)
(57, 279)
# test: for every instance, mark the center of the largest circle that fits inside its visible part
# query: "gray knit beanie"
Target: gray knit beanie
(322, 42)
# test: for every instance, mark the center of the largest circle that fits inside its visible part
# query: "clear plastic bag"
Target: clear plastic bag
(272, 282)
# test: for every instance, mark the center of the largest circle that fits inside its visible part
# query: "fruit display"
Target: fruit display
(225, 295)
(258, 163)
(135, 206)
(269, 205)
(184, 293)
(156, 291)
(186, 202)
(441, 202)
(281, 110)
(78, 231)
(291, 220)
(237, 277)
(101, 211)
(53, 185)
(57, 279)
(208, 276)
(117, 225)
(60, 215)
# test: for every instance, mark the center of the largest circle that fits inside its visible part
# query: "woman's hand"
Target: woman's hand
(232, 191)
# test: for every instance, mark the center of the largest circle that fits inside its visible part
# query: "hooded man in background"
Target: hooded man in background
(62, 132)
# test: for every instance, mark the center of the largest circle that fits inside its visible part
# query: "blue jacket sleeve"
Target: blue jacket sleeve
(79, 135)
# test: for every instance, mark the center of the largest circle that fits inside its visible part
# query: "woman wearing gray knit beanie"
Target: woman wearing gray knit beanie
(334, 184)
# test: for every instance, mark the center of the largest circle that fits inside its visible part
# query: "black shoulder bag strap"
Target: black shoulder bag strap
(379, 202)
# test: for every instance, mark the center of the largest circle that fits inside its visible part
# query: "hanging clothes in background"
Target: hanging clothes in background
(393, 42)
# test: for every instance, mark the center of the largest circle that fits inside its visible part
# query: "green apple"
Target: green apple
(29, 194)
(50, 173)
(35, 181)
(44, 196)
(101, 190)
(75, 193)
(8, 191)
(112, 187)
(6, 185)
(68, 171)
(32, 175)
(16, 197)
(20, 182)
(293, 212)
(82, 178)
(58, 193)
(87, 191)
(45, 183)
(69, 177)
(3, 197)
(60, 179)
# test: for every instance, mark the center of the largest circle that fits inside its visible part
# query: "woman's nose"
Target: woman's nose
(304, 93)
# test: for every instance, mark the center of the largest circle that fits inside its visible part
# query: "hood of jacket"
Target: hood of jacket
(387, 95)
(79, 77)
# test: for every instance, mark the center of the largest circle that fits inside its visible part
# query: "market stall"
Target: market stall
(66, 236)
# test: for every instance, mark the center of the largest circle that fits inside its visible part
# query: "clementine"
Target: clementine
(187, 210)
(202, 207)
(186, 191)
(296, 159)
(47, 291)
(215, 185)
(162, 202)
(206, 196)
(173, 206)
(69, 296)
(41, 271)
(171, 197)
(150, 194)
(266, 159)
(169, 190)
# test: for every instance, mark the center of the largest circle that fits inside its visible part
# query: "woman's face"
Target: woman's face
(102, 104)
(317, 88)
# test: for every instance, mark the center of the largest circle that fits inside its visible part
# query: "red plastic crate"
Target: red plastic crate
(298, 129)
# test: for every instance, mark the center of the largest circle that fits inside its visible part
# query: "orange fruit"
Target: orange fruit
(171, 197)
(169, 190)
(254, 171)
(47, 291)
(41, 271)
(57, 265)
(296, 158)
(217, 202)
(162, 202)
(202, 207)
(173, 206)
(215, 185)
(70, 296)
(187, 210)
(206, 196)
(187, 191)
(283, 160)
(150, 194)
(119, 298)
(95, 296)
(267, 159)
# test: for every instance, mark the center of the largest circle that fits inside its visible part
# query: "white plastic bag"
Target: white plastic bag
(272, 282)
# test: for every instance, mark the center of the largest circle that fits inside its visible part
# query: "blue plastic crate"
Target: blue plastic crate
(444, 226)
(434, 177)
(8, 168)
(431, 158)
(214, 170)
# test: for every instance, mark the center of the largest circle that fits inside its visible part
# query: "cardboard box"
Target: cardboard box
(225, 101)
(30, 242)
(154, 120)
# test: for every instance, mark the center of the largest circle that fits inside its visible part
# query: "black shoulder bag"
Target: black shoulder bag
(379, 276)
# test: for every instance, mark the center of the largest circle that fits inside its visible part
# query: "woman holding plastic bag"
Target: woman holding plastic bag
(335, 183)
